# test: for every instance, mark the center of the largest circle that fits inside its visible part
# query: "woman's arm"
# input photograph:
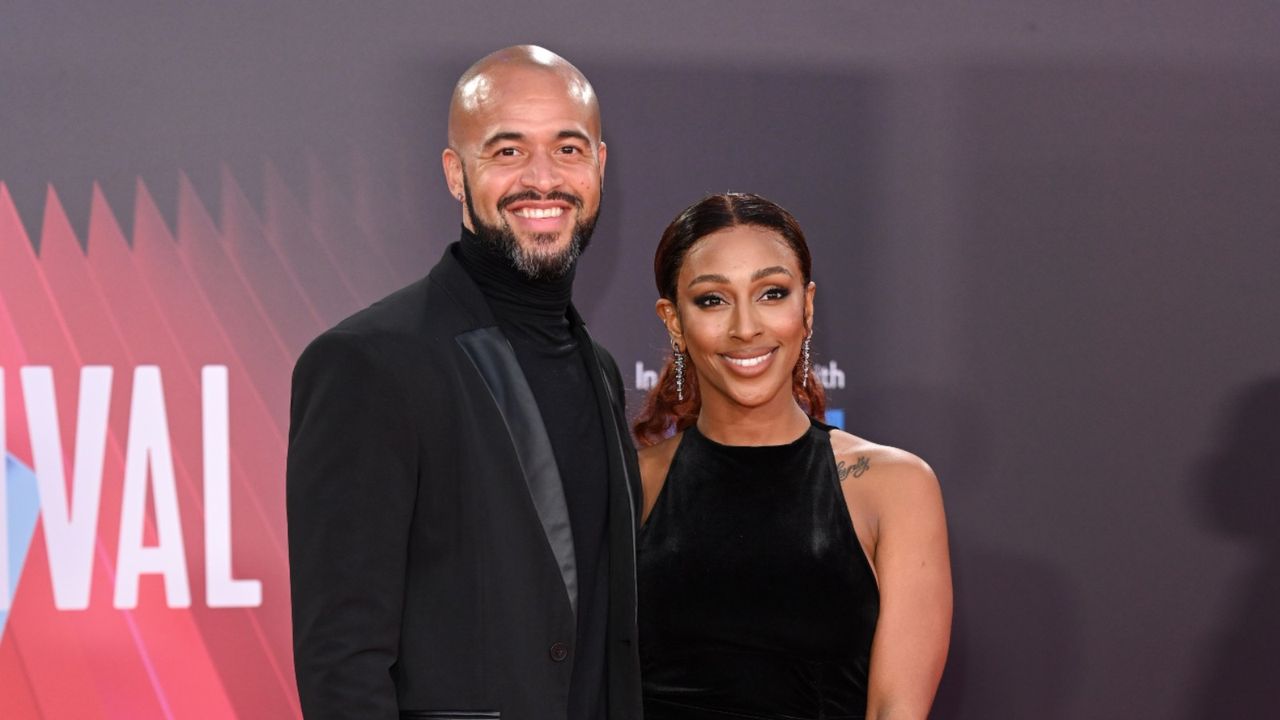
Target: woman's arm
(913, 568)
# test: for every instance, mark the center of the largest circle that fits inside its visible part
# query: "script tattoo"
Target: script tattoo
(857, 469)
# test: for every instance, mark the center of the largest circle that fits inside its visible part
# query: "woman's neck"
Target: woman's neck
(777, 422)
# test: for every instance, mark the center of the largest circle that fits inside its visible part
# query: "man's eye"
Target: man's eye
(570, 150)
(507, 152)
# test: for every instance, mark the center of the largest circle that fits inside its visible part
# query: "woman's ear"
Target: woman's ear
(671, 319)
(809, 291)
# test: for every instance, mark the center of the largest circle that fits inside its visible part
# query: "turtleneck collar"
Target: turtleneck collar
(513, 296)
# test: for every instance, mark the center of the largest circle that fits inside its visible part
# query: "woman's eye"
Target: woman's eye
(708, 300)
(775, 293)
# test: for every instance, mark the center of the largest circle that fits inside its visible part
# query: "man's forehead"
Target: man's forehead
(524, 101)
(489, 90)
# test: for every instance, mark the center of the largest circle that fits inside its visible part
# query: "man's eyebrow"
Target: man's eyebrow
(498, 137)
(766, 272)
(506, 135)
(576, 134)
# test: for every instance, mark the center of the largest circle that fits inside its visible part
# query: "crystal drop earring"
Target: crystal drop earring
(679, 361)
(804, 363)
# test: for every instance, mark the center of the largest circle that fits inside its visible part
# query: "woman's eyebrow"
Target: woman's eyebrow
(766, 272)
(761, 273)
(709, 278)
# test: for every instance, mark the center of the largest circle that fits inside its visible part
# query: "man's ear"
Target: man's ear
(452, 165)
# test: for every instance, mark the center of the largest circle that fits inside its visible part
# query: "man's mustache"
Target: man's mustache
(532, 196)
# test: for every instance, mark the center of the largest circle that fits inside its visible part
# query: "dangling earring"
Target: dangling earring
(804, 362)
(679, 360)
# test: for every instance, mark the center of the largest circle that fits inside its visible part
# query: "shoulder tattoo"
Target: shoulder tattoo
(858, 469)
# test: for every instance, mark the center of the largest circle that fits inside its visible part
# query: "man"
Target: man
(462, 493)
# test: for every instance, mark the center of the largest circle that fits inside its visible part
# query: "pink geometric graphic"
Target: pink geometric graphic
(245, 292)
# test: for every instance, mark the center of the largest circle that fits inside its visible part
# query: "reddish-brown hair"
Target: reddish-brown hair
(663, 413)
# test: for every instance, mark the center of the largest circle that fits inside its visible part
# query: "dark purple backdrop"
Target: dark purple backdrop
(1047, 240)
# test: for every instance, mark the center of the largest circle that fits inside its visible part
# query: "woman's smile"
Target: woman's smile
(750, 362)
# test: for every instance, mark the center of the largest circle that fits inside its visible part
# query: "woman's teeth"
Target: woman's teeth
(748, 362)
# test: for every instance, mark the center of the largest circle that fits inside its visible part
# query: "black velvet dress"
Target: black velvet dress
(755, 598)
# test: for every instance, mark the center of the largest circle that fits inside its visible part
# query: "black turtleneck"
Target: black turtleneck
(533, 314)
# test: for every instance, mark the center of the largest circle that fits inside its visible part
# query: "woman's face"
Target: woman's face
(742, 312)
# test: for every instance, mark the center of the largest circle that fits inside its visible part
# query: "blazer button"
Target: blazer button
(559, 651)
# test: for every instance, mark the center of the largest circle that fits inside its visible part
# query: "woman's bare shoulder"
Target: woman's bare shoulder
(658, 457)
(887, 487)
(877, 466)
(655, 461)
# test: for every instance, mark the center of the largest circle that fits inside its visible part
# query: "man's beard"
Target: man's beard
(530, 262)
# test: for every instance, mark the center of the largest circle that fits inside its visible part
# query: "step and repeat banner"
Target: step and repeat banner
(1045, 245)
(145, 388)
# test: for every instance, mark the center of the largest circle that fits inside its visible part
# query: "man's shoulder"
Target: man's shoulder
(388, 315)
(367, 336)
(404, 324)
(444, 297)
(387, 321)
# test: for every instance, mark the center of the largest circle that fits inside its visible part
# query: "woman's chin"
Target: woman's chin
(754, 396)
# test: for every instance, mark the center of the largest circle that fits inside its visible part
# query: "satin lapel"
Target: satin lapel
(615, 433)
(623, 488)
(496, 362)
(615, 425)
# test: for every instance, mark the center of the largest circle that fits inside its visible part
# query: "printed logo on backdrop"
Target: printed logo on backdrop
(70, 521)
(828, 373)
(251, 287)
(144, 392)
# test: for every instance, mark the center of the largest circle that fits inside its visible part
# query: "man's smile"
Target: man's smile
(533, 212)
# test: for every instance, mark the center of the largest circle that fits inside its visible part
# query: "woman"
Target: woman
(786, 569)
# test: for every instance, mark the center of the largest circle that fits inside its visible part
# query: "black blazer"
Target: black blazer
(431, 557)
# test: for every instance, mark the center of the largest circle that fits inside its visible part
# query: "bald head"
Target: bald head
(500, 76)
(525, 158)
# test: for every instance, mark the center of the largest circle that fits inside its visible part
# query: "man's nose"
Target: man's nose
(542, 173)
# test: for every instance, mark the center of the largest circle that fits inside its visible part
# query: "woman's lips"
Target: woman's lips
(748, 362)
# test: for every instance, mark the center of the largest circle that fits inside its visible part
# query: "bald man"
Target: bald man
(462, 493)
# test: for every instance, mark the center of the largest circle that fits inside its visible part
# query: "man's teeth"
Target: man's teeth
(747, 362)
(537, 213)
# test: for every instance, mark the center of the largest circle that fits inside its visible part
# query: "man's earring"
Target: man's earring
(679, 361)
